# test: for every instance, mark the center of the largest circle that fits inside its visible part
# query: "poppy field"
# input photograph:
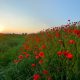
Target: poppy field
(52, 54)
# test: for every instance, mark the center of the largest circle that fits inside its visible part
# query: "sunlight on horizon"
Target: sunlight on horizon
(2, 28)
(28, 16)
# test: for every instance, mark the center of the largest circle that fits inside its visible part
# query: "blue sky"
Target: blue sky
(35, 15)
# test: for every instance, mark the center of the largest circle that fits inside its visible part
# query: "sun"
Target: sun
(1, 28)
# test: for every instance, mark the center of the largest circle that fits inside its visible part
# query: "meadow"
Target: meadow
(52, 54)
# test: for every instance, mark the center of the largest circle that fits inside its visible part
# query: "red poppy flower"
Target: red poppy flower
(43, 46)
(69, 56)
(45, 72)
(41, 61)
(37, 39)
(33, 65)
(16, 61)
(41, 54)
(24, 53)
(37, 56)
(75, 31)
(71, 42)
(59, 53)
(57, 34)
(27, 55)
(65, 52)
(49, 78)
(20, 56)
(26, 47)
(36, 77)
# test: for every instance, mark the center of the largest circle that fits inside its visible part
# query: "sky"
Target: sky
(31, 16)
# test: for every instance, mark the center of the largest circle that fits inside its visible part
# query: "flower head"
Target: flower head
(69, 56)
(45, 72)
(41, 61)
(36, 77)
(41, 54)
(20, 56)
(71, 41)
(59, 53)
(43, 46)
(27, 55)
(37, 56)
(16, 61)
(33, 65)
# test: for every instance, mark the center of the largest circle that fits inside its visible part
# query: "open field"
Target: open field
(9, 44)
(53, 54)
